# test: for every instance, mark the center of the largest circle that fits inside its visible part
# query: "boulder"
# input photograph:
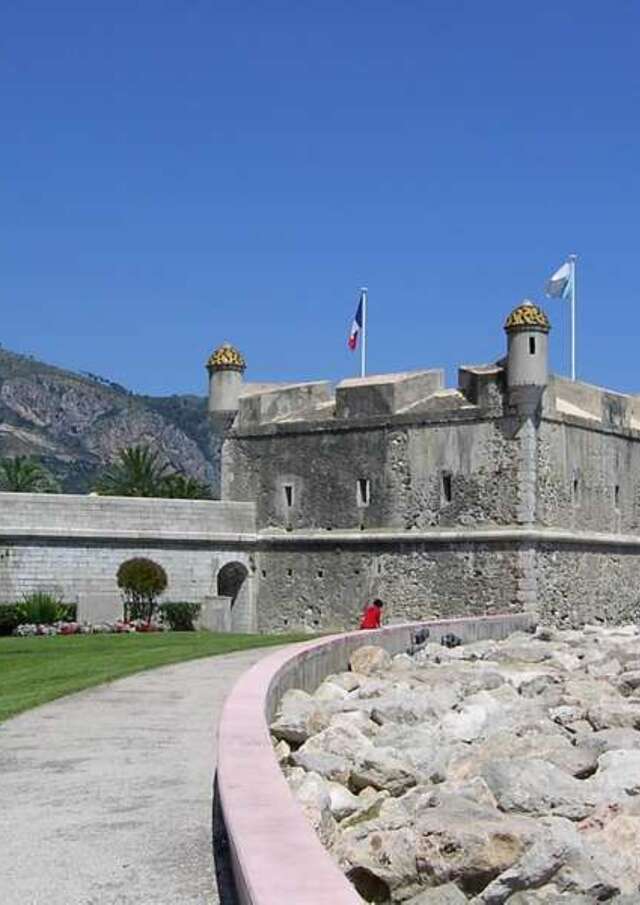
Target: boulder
(329, 766)
(329, 693)
(369, 659)
(342, 802)
(614, 715)
(378, 861)
(299, 717)
(348, 680)
(536, 787)
(628, 682)
(617, 778)
(467, 844)
(605, 668)
(449, 894)
(557, 842)
(555, 748)
(383, 768)
(313, 795)
(356, 719)
(609, 740)
(343, 740)
(620, 840)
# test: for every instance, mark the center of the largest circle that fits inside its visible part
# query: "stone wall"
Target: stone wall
(73, 546)
(437, 472)
(582, 582)
(588, 477)
(322, 587)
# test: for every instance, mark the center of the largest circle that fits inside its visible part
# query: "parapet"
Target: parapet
(291, 402)
(596, 405)
(482, 385)
(385, 394)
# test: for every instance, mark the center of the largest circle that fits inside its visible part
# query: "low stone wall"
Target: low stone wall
(72, 545)
(274, 853)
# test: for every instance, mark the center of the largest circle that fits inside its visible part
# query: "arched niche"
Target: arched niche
(232, 582)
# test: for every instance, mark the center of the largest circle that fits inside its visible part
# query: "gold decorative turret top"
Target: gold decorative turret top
(527, 316)
(226, 358)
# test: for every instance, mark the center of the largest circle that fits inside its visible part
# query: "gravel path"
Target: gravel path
(105, 796)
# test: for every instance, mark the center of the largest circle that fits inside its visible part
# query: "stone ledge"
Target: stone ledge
(530, 535)
(275, 854)
(151, 536)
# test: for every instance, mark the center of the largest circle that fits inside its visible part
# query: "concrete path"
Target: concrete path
(105, 796)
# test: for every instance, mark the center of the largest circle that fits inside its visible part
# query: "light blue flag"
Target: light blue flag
(559, 286)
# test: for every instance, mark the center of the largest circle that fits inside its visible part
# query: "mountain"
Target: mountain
(75, 424)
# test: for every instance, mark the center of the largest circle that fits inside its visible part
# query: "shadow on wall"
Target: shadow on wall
(222, 854)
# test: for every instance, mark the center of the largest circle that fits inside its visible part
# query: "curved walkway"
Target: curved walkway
(105, 796)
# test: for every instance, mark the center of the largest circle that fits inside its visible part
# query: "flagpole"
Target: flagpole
(572, 261)
(363, 347)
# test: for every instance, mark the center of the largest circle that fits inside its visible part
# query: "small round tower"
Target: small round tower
(527, 329)
(226, 367)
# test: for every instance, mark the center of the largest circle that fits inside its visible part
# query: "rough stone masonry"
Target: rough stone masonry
(516, 490)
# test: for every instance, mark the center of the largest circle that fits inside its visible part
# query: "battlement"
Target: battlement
(596, 405)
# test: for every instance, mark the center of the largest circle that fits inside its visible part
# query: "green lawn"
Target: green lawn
(36, 670)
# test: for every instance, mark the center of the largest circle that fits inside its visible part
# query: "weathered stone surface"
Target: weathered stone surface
(618, 777)
(299, 717)
(614, 715)
(468, 844)
(330, 766)
(313, 795)
(342, 802)
(507, 780)
(369, 659)
(448, 894)
(383, 768)
(538, 864)
(609, 740)
(530, 786)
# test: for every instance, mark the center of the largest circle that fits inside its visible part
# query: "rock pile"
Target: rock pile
(488, 773)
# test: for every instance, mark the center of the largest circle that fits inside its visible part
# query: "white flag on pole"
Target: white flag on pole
(559, 285)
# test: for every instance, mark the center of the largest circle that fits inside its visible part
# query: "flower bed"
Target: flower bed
(29, 629)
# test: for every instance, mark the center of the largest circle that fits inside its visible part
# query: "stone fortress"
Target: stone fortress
(517, 490)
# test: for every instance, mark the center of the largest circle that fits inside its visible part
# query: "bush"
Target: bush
(9, 618)
(141, 581)
(43, 608)
(180, 615)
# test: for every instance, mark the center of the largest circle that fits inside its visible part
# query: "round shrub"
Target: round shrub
(179, 615)
(141, 582)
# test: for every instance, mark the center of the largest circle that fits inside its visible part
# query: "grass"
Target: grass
(36, 670)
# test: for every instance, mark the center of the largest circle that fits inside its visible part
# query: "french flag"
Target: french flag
(356, 327)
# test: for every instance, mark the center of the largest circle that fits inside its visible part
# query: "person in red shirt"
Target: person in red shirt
(372, 614)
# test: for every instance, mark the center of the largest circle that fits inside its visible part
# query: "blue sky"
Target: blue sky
(180, 172)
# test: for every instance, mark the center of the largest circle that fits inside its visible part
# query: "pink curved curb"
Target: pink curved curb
(276, 856)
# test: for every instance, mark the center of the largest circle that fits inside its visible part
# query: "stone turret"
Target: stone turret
(527, 329)
(226, 368)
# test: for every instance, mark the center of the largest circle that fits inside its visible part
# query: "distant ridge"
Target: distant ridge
(76, 423)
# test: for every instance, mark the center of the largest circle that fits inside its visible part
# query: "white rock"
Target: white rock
(342, 801)
(530, 786)
(369, 659)
(299, 717)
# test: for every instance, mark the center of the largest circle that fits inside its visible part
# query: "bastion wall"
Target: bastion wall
(73, 545)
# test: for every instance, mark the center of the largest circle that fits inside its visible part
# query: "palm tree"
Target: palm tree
(22, 474)
(137, 473)
(179, 486)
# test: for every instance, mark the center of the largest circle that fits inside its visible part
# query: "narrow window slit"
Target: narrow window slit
(363, 491)
(446, 486)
